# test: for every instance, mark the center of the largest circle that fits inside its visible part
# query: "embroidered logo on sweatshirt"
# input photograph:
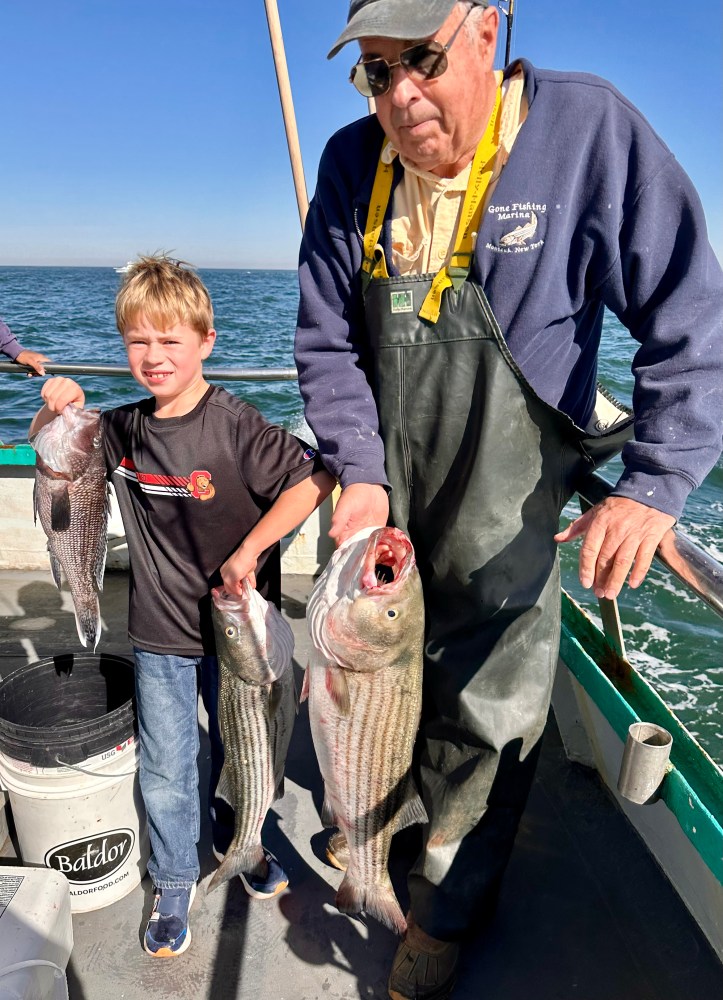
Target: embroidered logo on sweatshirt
(196, 486)
(522, 237)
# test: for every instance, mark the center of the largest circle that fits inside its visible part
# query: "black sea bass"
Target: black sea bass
(364, 683)
(71, 499)
(256, 710)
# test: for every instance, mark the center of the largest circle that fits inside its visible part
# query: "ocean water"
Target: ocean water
(674, 639)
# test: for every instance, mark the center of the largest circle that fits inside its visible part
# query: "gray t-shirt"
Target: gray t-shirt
(189, 489)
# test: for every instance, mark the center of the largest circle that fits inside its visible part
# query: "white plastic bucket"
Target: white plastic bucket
(83, 817)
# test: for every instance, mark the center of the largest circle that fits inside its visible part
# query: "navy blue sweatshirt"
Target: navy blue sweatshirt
(617, 224)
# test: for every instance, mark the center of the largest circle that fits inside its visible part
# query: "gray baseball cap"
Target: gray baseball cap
(394, 19)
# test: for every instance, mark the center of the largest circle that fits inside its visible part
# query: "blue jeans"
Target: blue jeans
(167, 702)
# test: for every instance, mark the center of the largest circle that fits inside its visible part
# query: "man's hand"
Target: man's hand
(361, 505)
(33, 359)
(619, 533)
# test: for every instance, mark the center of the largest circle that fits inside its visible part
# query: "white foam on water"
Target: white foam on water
(656, 633)
(666, 581)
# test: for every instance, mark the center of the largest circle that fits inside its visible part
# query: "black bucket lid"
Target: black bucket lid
(66, 708)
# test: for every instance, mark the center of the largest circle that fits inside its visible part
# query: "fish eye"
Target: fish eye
(230, 631)
(391, 613)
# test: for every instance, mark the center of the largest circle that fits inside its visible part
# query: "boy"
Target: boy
(196, 470)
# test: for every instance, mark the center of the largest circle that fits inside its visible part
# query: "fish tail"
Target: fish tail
(249, 860)
(87, 621)
(377, 900)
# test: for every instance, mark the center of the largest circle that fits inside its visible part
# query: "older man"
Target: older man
(458, 256)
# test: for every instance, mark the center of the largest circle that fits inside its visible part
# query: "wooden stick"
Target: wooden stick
(287, 108)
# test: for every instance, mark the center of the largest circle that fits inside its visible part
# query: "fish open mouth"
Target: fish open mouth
(388, 560)
(230, 603)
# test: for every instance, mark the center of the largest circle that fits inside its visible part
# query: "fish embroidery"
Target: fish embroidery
(520, 234)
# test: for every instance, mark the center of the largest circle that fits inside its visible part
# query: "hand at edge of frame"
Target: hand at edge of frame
(34, 360)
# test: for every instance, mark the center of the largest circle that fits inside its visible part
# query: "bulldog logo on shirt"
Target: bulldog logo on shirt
(200, 486)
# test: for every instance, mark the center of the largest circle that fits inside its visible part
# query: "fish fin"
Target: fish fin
(328, 819)
(305, 685)
(87, 621)
(276, 691)
(249, 860)
(102, 552)
(338, 688)
(60, 510)
(55, 568)
(35, 502)
(224, 789)
(99, 568)
(412, 810)
(377, 900)
(279, 790)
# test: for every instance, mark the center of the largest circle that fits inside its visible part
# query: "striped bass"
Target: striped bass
(71, 498)
(364, 683)
(256, 709)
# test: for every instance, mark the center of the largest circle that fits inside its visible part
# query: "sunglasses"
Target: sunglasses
(426, 61)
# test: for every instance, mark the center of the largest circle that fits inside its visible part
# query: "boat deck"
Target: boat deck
(584, 913)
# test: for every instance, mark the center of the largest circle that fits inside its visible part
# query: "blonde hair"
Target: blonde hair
(166, 292)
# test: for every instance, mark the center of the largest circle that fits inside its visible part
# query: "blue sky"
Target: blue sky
(143, 125)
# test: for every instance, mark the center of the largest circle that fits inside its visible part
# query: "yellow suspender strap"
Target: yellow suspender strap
(374, 265)
(454, 273)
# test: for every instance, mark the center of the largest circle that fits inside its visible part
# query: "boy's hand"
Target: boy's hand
(237, 567)
(57, 393)
(60, 392)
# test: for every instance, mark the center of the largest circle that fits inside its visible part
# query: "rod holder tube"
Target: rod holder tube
(645, 762)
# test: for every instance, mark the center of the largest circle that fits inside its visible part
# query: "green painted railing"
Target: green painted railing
(693, 786)
(16, 454)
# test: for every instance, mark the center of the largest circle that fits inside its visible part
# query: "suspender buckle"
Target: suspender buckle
(457, 274)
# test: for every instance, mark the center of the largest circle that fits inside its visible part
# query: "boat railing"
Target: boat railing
(121, 371)
(692, 565)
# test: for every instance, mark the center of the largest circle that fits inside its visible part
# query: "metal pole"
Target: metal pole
(287, 108)
(510, 18)
(121, 371)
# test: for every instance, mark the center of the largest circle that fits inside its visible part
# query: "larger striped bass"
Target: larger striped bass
(71, 499)
(364, 683)
(256, 709)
